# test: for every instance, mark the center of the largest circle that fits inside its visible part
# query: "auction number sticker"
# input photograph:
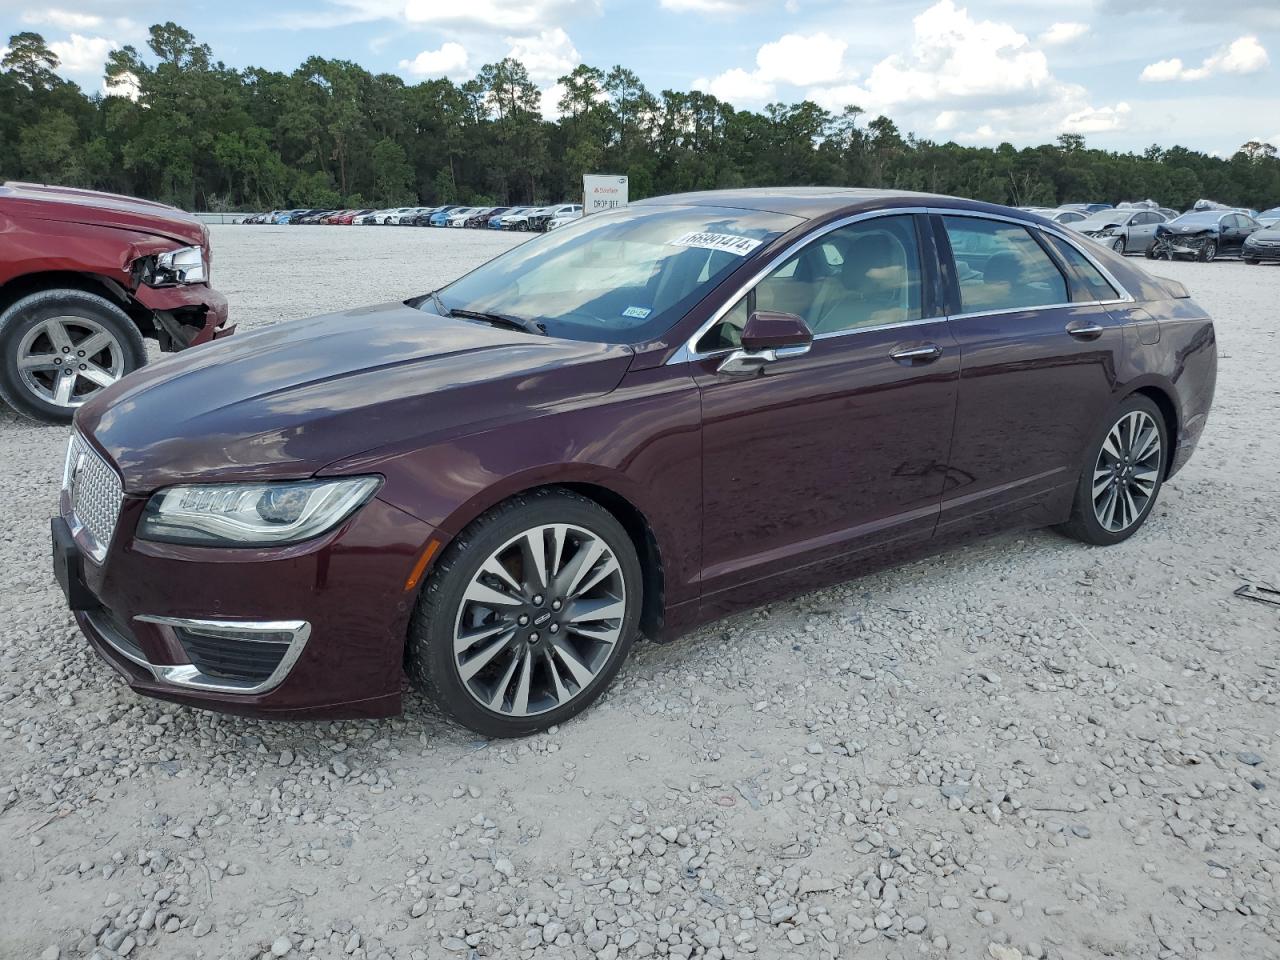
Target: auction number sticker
(728, 242)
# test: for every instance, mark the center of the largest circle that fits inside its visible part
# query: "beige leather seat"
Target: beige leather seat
(871, 288)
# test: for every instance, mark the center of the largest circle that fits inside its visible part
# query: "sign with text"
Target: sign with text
(602, 192)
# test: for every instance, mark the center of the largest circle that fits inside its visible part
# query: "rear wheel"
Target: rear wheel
(529, 614)
(60, 348)
(1123, 473)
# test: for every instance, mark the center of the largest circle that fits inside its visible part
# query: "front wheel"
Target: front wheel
(1209, 252)
(1251, 262)
(59, 348)
(1118, 245)
(1124, 470)
(528, 615)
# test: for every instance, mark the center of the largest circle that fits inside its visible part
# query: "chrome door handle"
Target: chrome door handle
(1084, 330)
(913, 355)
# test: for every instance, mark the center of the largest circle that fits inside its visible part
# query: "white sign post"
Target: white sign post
(602, 192)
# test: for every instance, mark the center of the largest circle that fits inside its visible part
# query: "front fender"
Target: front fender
(641, 442)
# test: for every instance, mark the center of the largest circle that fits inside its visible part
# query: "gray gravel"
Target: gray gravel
(1022, 749)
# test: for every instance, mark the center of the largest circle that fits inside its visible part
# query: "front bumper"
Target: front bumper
(187, 314)
(1181, 245)
(340, 604)
(1253, 251)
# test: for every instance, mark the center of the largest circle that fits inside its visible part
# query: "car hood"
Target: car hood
(1177, 228)
(69, 205)
(1271, 234)
(291, 399)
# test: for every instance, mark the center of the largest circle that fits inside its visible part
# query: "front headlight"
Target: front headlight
(184, 265)
(252, 514)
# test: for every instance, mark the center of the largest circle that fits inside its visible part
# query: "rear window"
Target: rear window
(1098, 285)
(1000, 266)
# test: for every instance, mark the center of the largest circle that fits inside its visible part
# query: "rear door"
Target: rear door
(1039, 359)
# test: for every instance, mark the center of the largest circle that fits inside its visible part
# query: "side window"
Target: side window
(1001, 267)
(1098, 284)
(864, 275)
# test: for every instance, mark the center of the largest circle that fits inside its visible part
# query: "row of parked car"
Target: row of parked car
(535, 219)
(1205, 233)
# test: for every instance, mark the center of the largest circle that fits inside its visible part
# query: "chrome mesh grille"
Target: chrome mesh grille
(93, 489)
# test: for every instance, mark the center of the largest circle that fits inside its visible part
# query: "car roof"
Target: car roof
(806, 202)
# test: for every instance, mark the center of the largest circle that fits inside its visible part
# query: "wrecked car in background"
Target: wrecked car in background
(1203, 235)
(1128, 230)
(84, 276)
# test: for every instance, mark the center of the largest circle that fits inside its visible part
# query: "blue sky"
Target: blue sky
(1125, 73)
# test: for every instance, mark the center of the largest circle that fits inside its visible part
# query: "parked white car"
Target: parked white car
(520, 220)
(560, 219)
(458, 217)
(403, 215)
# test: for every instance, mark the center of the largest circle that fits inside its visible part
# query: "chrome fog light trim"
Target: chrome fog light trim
(295, 633)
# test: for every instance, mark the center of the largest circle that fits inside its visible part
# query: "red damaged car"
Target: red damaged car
(84, 277)
(640, 422)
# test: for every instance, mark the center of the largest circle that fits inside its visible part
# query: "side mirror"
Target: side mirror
(767, 338)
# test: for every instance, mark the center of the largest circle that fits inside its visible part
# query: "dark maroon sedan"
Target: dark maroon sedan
(640, 422)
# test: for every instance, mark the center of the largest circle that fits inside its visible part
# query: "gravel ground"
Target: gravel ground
(1023, 749)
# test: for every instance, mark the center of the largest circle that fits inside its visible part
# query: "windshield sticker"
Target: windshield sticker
(738, 246)
(637, 313)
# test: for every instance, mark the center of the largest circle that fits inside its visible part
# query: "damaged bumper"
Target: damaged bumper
(1181, 245)
(186, 315)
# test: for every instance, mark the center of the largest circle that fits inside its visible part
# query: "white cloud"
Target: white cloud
(975, 81)
(955, 57)
(126, 85)
(496, 15)
(1242, 56)
(802, 61)
(1063, 33)
(64, 19)
(719, 7)
(547, 56)
(451, 58)
(736, 86)
(550, 105)
(82, 57)
(793, 59)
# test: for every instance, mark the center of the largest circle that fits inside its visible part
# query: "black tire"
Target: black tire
(30, 311)
(1118, 245)
(1208, 253)
(1084, 524)
(1150, 253)
(431, 658)
(1251, 262)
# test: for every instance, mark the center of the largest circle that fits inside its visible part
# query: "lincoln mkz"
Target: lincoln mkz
(635, 424)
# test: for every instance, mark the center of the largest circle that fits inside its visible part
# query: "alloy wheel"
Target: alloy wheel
(66, 360)
(1127, 470)
(1118, 244)
(539, 620)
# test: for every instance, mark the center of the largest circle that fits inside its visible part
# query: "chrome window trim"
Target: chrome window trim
(687, 351)
(189, 675)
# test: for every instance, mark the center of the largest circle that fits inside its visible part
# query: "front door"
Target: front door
(824, 463)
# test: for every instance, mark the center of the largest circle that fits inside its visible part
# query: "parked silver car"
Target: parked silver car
(1131, 230)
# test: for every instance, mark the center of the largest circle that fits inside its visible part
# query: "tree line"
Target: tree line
(180, 127)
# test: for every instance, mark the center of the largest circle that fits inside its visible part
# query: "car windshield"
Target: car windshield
(618, 277)
(1204, 218)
